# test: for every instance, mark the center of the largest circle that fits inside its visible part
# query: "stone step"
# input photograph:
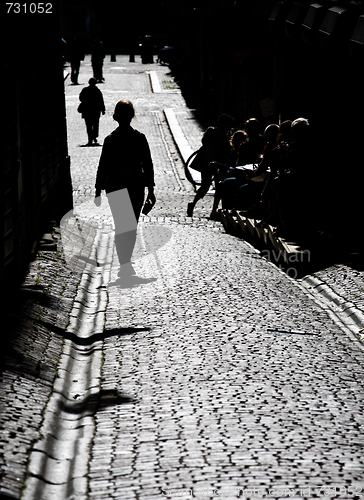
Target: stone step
(265, 235)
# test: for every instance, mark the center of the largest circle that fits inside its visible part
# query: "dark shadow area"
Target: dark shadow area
(4, 496)
(34, 294)
(15, 344)
(104, 398)
(324, 250)
(124, 331)
(193, 102)
(25, 366)
(131, 282)
(20, 332)
(96, 337)
(199, 115)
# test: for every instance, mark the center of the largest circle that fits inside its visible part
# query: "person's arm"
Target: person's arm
(151, 195)
(147, 165)
(102, 104)
(264, 163)
(102, 169)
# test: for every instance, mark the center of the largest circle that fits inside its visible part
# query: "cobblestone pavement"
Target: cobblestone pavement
(221, 376)
(224, 374)
(32, 342)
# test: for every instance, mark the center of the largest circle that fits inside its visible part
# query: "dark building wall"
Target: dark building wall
(319, 65)
(226, 57)
(35, 172)
(118, 24)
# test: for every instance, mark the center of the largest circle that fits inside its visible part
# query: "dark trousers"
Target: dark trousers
(126, 205)
(92, 127)
(97, 70)
(75, 69)
(208, 174)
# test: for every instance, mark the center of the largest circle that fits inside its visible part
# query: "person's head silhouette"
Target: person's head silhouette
(124, 112)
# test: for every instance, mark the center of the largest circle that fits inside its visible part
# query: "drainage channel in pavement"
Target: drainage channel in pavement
(58, 464)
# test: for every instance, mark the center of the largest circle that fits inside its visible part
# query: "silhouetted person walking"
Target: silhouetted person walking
(97, 60)
(92, 105)
(75, 56)
(125, 169)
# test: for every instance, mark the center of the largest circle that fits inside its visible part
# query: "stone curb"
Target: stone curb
(347, 312)
(179, 137)
(154, 82)
(180, 140)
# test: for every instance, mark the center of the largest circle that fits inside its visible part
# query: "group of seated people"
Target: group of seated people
(264, 176)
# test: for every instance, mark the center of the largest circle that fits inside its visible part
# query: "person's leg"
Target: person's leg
(206, 179)
(126, 205)
(125, 224)
(217, 197)
(98, 72)
(77, 71)
(96, 128)
(72, 73)
(190, 178)
(89, 130)
(137, 196)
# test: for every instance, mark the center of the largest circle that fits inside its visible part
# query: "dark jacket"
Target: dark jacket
(92, 102)
(216, 145)
(250, 150)
(125, 161)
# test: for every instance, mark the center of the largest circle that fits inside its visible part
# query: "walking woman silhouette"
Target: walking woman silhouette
(125, 169)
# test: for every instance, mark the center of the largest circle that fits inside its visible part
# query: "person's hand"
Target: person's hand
(151, 196)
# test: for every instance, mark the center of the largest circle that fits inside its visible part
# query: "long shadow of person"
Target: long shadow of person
(77, 229)
(125, 238)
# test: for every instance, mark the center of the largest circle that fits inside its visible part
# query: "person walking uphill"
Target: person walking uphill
(125, 169)
(92, 105)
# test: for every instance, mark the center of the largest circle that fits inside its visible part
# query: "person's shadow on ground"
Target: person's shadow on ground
(131, 281)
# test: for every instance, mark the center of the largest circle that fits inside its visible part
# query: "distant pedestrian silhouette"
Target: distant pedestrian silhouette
(97, 60)
(125, 169)
(75, 56)
(92, 105)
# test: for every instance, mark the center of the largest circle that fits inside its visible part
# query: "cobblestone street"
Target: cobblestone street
(217, 376)
(214, 395)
